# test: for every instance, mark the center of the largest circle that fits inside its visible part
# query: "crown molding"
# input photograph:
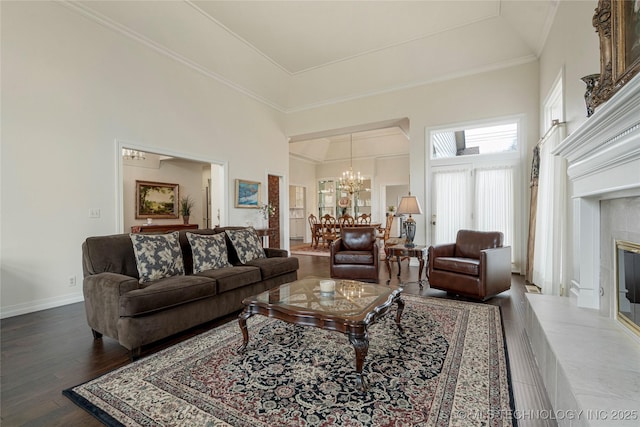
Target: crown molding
(238, 37)
(478, 70)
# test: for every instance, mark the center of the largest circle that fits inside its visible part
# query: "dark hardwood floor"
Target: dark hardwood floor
(48, 351)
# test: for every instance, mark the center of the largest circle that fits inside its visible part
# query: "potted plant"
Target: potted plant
(186, 204)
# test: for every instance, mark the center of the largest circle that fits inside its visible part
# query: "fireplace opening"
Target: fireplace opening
(628, 284)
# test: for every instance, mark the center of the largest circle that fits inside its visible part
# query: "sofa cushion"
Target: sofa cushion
(272, 267)
(165, 293)
(246, 243)
(209, 251)
(467, 266)
(229, 278)
(157, 256)
(187, 255)
(353, 257)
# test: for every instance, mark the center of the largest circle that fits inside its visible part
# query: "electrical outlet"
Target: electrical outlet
(72, 281)
(94, 213)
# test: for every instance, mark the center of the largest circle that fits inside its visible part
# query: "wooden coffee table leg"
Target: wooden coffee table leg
(242, 321)
(361, 345)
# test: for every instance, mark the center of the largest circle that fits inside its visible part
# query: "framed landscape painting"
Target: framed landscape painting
(247, 194)
(156, 200)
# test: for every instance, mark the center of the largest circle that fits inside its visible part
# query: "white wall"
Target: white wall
(572, 48)
(503, 92)
(70, 89)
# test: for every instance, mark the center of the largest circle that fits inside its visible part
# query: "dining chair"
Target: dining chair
(329, 229)
(316, 231)
(364, 219)
(390, 241)
(346, 221)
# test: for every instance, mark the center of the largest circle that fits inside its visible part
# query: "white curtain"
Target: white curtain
(494, 202)
(452, 203)
(550, 216)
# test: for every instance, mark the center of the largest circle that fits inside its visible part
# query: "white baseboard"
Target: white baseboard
(43, 304)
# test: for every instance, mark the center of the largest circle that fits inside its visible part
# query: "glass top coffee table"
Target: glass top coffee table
(350, 309)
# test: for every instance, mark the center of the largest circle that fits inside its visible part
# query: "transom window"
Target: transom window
(491, 139)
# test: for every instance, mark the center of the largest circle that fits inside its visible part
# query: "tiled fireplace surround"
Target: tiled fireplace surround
(589, 362)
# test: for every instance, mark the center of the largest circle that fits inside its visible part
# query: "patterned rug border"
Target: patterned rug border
(307, 249)
(105, 418)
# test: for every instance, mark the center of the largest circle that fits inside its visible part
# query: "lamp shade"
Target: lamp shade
(409, 205)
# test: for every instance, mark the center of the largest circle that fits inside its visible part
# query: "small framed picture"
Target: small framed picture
(247, 194)
(156, 200)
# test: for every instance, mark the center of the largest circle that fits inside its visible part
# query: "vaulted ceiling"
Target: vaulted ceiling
(294, 55)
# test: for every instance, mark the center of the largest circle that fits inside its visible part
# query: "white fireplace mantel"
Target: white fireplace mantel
(603, 156)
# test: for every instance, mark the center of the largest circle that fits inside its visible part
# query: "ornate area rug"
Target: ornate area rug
(307, 249)
(448, 367)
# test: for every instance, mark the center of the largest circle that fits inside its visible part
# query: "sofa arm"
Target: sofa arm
(276, 253)
(495, 269)
(102, 300)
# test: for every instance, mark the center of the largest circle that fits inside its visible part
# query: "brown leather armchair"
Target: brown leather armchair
(476, 265)
(355, 255)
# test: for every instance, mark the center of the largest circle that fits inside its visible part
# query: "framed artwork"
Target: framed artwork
(156, 200)
(618, 25)
(247, 194)
(625, 39)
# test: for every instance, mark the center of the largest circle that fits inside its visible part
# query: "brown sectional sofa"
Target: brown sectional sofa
(135, 314)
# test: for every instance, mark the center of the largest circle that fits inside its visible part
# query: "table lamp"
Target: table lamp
(409, 205)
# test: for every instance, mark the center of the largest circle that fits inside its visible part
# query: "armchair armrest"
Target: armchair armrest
(336, 246)
(376, 254)
(102, 300)
(445, 249)
(495, 269)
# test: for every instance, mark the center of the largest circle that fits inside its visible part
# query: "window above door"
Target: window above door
(475, 140)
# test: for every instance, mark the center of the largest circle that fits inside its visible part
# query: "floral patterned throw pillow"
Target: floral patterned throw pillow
(247, 244)
(209, 251)
(157, 256)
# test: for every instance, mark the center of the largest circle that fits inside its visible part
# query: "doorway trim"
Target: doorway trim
(119, 144)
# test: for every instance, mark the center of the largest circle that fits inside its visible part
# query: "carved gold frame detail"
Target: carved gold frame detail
(611, 21)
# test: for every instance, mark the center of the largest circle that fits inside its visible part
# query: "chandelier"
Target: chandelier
(133, 154)
(350, 182)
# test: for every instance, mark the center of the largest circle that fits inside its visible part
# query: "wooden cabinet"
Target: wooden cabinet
(297, 227)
